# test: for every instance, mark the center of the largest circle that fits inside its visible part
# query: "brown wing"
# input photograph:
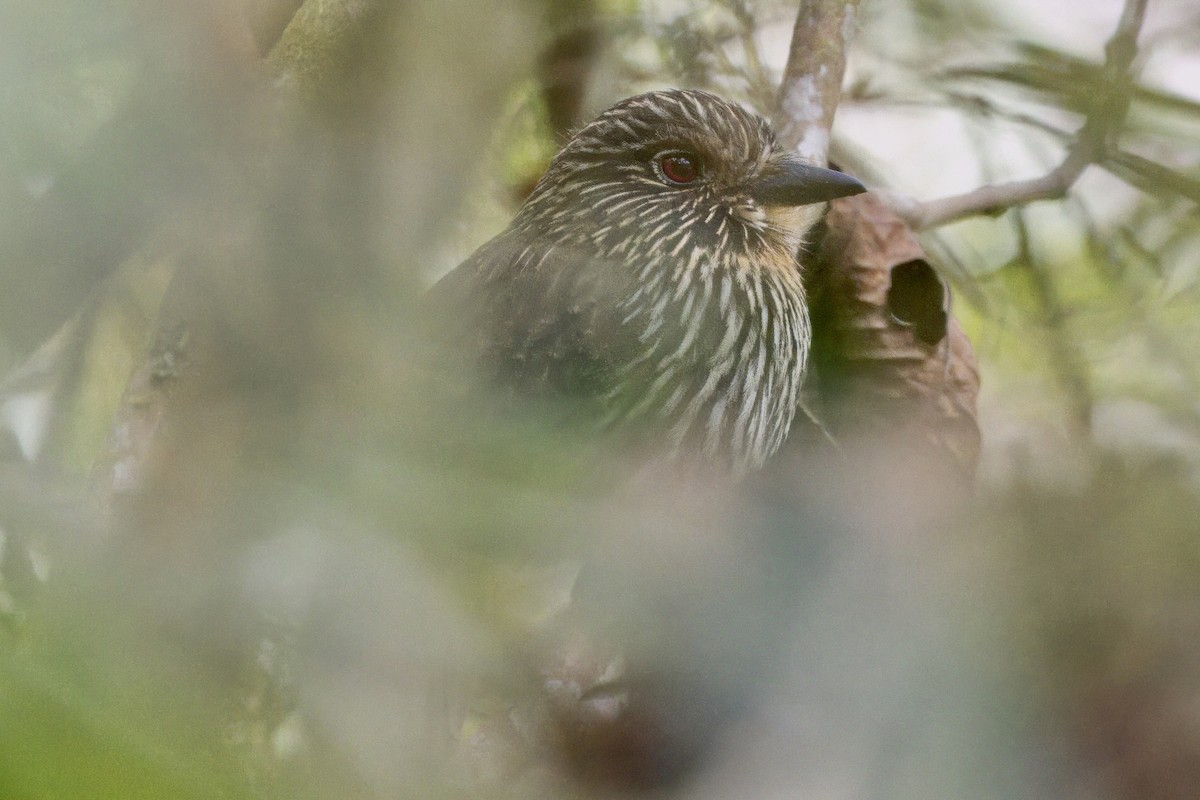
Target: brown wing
(532, 319)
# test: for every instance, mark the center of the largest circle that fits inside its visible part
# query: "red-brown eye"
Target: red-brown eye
(679, 167)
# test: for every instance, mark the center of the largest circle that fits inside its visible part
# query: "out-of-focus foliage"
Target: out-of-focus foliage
(324, 575)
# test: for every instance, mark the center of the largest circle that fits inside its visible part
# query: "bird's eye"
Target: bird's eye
(678, 167)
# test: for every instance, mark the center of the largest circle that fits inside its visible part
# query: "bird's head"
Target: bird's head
(681, 171)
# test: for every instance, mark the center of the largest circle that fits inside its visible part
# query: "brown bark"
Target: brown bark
(812, 79)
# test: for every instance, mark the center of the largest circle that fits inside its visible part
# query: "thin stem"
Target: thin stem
(760, 85)
(1065, 359)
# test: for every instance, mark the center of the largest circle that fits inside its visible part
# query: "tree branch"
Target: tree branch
(812, 79)
(1092, 144)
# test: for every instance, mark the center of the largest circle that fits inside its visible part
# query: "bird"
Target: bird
(650, 281)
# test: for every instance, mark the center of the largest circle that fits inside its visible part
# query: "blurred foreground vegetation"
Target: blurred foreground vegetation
(257, 544)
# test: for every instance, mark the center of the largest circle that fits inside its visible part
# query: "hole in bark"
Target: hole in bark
(917, 300)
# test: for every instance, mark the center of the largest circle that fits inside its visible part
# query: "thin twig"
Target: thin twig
(812, 79)
(1065, 359)
(1092, 143)
(761, 87)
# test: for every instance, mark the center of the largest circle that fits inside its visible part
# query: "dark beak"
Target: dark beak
(792, 183)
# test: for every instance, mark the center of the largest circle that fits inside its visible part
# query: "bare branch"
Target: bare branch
(991, 199)
(1094, 140)
(812, 79)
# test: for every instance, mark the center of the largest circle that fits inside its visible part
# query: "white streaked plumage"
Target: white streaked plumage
(689, 295)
